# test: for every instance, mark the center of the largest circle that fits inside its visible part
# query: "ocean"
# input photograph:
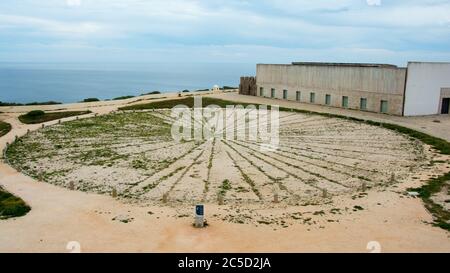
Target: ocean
(38, 82)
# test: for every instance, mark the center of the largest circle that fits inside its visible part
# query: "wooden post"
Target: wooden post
(114, 193)
(324, 193)
(165, 197)
(364, 186)
(220, 199)
(275, 198)
(71, 186)
(392, 179)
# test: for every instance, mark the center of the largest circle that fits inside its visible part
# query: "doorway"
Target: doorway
(445, 105)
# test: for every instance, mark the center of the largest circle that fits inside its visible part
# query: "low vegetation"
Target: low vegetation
(38, 116)
(124, 97)
(151, 93)
(226, 186)
(29, 104)
(11, 206)
(434, 186)
(189, 102)
(91, 100)
(228, 88)
(4, 128)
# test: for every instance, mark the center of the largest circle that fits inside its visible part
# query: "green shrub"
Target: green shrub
(35, 113)
(91, 100)
(152, 93)
(4, 128)
(123, 98)
(29, 104)
(11, 206)
(40, 117)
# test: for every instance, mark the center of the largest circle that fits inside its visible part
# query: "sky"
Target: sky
(224, 31)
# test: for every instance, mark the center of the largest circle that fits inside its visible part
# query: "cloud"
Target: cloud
(41, 26)
(251, 30)
(73, 3)
(373, 2)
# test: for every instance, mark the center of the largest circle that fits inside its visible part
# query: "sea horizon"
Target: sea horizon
(73, 82)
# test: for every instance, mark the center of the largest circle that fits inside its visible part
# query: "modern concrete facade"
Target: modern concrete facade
(419, 89)
(427, 89)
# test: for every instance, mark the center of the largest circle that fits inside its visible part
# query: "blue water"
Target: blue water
(24, 83)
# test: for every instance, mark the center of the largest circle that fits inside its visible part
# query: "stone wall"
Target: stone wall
(247, 86)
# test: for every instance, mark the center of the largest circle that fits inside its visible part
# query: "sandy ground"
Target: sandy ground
(396, 221)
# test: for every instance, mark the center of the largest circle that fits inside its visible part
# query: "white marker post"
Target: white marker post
(199, 216)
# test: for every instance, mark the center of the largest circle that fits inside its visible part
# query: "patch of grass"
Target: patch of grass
(151, 93)
(226, 186)
(11, 206)
(228, 88)
(37, 116)
(264, 222)
(139, 164)
(189, 102)
(91, 100)
(319, 213)
(151, 186)
(124, 97)
(435, 185)
(29, 104)
(4, 128)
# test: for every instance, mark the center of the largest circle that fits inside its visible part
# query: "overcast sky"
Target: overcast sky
(252, 31)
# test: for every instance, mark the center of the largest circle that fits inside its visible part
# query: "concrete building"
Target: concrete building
(427, 89)
(419, 89)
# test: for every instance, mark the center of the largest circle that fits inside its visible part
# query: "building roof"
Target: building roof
(345, 64)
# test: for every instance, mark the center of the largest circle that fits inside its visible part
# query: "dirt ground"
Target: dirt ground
(334, 179)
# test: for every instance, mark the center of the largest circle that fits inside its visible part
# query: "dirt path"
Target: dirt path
(59, 216)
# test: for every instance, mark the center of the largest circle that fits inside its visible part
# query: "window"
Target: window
(384, 106)
(363, 104)
(285, 94)
(272, 93)
(261, 91)
(328, 99)
(345, 101)
(312, 97)
(298, 96)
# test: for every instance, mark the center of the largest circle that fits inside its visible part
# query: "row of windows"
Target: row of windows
(312, 99)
